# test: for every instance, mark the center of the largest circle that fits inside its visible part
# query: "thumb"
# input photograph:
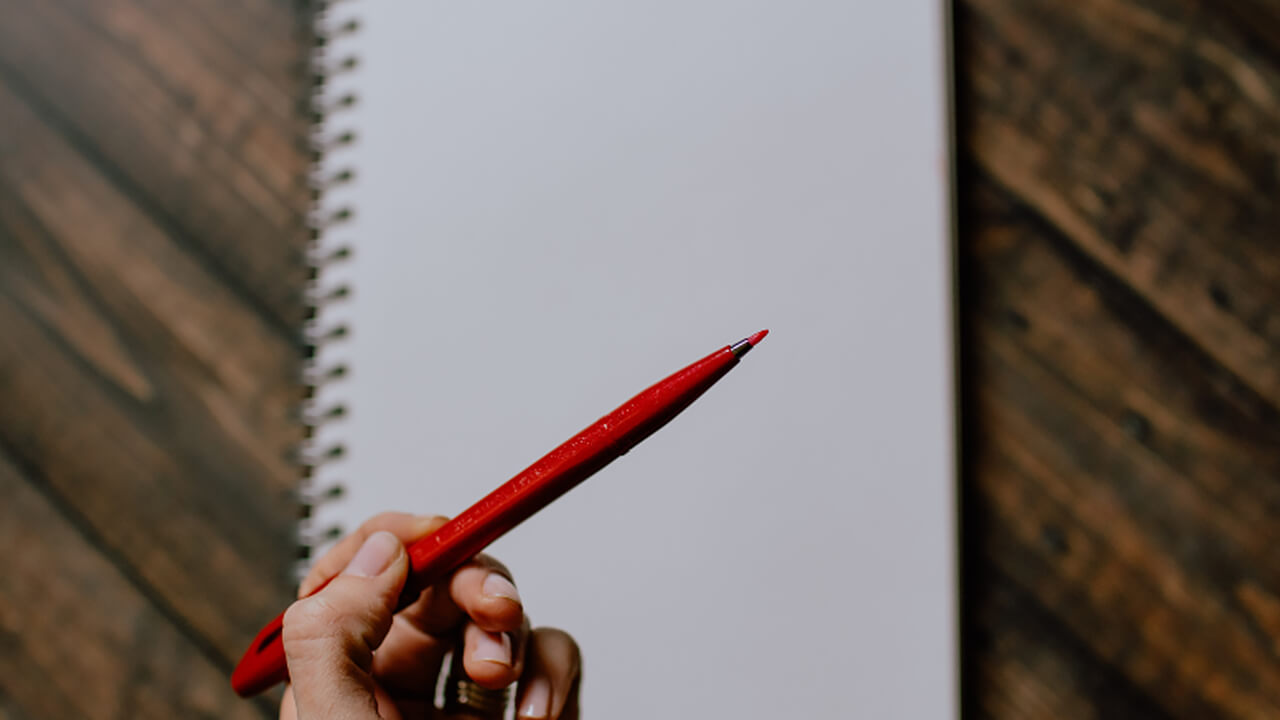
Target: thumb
(329, 637)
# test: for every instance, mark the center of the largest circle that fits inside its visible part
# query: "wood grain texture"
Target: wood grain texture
(1119, 181)
(89, 644)
(1120, 193)
(1144, 135)
(186, 360)
(1123, 486)
(152, 199)
(193, 133)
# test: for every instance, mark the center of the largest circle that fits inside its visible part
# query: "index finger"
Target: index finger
(408, 528)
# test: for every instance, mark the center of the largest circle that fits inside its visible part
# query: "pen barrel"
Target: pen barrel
(435, 556)
(557, 472)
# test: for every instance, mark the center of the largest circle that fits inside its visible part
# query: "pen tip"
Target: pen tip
(741, 347)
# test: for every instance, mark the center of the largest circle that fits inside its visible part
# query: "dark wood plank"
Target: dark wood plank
(152, 400)
(240, 87)
(1029, 666)
(151, 198)
(9, 709)
(1121, 183)
(89, 645)
(256, 44)
(208, 154)
(1123, 478)
(1121, 180)
(1258, 20)
(1148, 136)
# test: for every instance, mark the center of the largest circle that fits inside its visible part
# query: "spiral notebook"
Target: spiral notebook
(529, 211)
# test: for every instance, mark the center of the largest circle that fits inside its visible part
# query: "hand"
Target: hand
(351, 655)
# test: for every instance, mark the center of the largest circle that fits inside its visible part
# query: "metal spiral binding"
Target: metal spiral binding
(324, 33)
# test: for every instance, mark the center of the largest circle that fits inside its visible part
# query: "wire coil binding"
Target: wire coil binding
(324, 33)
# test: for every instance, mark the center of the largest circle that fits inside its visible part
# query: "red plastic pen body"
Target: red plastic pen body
(435, 556)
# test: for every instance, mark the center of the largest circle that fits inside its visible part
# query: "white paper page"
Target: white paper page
(558, 203)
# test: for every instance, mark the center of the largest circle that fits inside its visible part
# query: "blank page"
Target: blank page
(556, 203)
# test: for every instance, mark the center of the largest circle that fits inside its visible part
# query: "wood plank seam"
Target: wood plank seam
(284, 327)
(36, 480)
(1118, 289)
(148, 69)
(982, 575)
(1133, 696)
(1139, 97)
(118, 390)
(1258, 21)
(1138, 321)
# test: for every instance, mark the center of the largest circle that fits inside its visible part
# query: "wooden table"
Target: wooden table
(1119, 192)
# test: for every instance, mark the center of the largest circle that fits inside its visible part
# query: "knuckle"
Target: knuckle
(309, 619)
(315, 628)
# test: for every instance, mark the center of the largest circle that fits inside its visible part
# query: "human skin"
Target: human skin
(351, 655)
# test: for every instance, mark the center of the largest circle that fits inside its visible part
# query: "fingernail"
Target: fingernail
(374, 555)
(498, 586)
(492, 647)
(537, 699)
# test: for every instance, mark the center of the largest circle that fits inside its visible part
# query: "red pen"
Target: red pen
(578, 458)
